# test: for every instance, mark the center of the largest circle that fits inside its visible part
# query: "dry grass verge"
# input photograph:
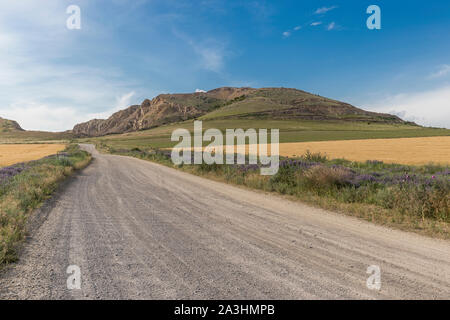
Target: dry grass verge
(25, 187)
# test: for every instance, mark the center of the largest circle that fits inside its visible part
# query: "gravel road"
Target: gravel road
(139, 230)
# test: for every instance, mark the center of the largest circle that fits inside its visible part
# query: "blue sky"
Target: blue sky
(52, 77)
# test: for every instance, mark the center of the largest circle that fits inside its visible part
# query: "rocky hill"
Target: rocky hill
(227, 102)
(9, 125)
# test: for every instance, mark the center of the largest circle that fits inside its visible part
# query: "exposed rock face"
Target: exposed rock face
(9, 125)
(165, 108)
(119, 122)
(149, 114)
(279, 103)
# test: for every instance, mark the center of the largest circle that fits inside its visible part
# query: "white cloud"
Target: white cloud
(36, 116)
(288, 33)
(429, 108)
(331, 26)
(200, 91)
(212, 58)
(124, 100)
(33, 115)
(316, 23)
(443, 71)
(39, 92)
(325, 9)
(211, 52)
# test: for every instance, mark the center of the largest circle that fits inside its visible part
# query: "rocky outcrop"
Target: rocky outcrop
(9, 125)
(150, 113)
(165, 108)
(284, 103)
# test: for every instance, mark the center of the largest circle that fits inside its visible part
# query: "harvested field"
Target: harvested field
(410, 151)
(15, 153)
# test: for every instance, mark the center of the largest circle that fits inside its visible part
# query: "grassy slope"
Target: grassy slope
(290, 131)
(245, 107)
(285, 104)
(33, 136)
(27, 191)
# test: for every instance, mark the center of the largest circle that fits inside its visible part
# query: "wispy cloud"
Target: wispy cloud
(52, 78)
(211, 52)
(212, 58)
(321, 11)
(331, 26)
(38, 89)
(443, 71)
(324, 10)
(288, 33)
(200, 91)
(124, 100)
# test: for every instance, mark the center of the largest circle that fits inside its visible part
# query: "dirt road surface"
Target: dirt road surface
(139, 230)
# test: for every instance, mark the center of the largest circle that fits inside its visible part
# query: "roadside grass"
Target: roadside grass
(411, 198)
(24, 187)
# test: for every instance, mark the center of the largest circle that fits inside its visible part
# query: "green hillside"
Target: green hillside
(290, 131)
(287, 104)
(230, 103)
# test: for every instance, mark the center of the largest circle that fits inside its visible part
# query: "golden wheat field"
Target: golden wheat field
(412, 151)
(409, 151)
(15, 153)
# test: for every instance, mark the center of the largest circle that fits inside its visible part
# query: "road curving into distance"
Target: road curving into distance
(139, 230)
